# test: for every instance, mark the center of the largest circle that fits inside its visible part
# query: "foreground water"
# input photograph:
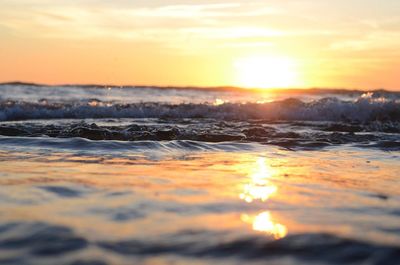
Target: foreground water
(94, 178)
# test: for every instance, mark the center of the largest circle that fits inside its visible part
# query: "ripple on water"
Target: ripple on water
(39, 240)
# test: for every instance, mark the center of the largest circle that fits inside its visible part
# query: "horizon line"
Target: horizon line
(193, 87)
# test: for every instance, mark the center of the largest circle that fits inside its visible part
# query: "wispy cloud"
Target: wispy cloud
(209, 24)
(169, 25)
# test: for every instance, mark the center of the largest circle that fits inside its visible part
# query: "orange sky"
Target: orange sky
(351, 44)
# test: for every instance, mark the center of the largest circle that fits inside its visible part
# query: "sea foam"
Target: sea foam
(363, 109)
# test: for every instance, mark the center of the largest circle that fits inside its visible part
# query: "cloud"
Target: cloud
(372, 41)
(60, 18)
(209, 24)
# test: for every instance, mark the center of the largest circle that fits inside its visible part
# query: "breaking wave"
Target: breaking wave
(363, 109)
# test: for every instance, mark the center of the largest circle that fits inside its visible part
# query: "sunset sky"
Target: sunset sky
(291, 43)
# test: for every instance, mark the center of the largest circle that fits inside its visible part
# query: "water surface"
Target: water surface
(108, 179)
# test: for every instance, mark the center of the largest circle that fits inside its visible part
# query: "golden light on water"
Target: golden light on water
(263, 222)
(252, 192)
(266, 72)
(261, 188)
(219, 101)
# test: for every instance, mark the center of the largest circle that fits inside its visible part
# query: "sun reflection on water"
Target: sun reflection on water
(263, 223)
(261, 188)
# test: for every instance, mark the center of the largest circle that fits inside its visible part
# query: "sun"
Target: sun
(265, 72)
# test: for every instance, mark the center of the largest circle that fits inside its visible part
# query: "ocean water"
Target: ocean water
(145, 175)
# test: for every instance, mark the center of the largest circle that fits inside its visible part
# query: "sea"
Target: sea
(96, 175)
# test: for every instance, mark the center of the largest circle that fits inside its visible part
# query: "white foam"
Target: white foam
(326, 109)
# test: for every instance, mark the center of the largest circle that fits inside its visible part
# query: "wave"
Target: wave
(117, 148)
(196, 134)
(363, 109)
(323, 248)
(43, 241)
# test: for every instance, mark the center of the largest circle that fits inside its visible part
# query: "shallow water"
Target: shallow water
(269, 204)
(212, 189)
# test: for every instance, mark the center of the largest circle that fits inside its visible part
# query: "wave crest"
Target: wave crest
(327, 109)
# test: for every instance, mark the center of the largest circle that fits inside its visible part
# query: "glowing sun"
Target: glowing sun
(265, 72)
